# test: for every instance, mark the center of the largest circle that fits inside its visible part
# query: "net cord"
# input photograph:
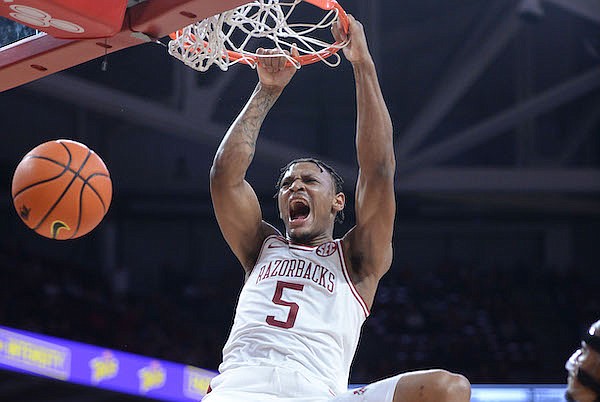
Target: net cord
(210, 41)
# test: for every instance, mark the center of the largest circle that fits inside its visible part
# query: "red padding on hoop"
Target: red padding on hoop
(68, 19)
(17, 62)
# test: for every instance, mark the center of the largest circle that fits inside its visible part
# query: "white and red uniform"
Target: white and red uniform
(296, 328)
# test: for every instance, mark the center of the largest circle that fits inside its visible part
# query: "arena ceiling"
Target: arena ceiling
(486, 97)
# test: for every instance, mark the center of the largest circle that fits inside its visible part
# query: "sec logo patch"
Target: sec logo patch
(326, 249)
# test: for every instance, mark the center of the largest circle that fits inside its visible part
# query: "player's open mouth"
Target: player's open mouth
(299, 210)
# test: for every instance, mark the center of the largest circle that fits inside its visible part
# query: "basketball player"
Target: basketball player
(306, 295)
(584, 368)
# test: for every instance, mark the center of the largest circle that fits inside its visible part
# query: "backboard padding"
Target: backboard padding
(44, 55)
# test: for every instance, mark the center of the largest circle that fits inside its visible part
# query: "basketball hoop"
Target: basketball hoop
(225, 39)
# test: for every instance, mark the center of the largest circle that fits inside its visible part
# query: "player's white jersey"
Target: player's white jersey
(298, 309)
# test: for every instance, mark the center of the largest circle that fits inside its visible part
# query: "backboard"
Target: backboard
(12, 32)
(27, 54)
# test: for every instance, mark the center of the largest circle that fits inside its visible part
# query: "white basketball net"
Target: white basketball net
(215, 39)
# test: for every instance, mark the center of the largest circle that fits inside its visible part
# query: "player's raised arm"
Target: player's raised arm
(369, 242)
(235, 203)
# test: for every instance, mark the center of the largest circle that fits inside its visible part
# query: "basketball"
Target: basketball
(61, 189)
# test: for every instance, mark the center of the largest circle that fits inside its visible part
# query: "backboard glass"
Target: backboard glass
(12, 32)
(27, 55)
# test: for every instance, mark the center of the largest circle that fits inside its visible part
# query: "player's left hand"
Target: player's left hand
(357, 50)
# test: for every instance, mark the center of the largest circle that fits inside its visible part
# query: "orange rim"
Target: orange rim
(251, 59)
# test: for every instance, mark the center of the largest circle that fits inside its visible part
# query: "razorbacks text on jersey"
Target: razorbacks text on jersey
(298, 309)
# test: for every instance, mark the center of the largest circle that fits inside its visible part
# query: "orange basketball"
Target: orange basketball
(61, 189)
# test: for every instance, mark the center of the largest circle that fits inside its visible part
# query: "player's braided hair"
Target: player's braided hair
(337, 179)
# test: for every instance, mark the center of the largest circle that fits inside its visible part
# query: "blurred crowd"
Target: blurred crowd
(499, 325)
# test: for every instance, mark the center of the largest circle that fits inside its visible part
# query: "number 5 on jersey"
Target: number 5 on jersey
(291, 318)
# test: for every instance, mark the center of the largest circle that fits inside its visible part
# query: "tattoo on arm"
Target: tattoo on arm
(238, 147)
(250, 124)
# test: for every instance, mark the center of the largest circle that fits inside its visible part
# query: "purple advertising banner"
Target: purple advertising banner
(94, 366)
(100, 367)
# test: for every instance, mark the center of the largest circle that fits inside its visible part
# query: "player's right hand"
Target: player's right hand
(275, 71)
